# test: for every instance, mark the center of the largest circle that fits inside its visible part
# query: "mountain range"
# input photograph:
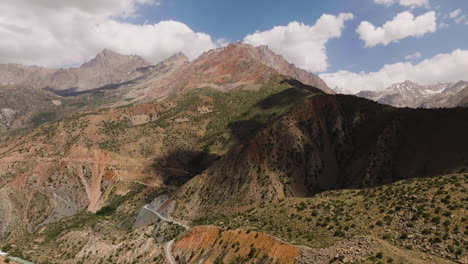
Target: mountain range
(112, 79)
(235, 157)
(411, 94)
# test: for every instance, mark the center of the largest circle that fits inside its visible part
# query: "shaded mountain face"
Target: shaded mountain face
(106, 68)
(329, 142)
(410, 94)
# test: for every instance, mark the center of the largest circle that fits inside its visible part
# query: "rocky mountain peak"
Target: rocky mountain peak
(408, 82)
(342, 90)
(406, 85)
(107, 58)
(178, 58)
(107, 53)
(241, 56)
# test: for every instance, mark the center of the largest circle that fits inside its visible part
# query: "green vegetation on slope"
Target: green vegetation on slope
(426, 214)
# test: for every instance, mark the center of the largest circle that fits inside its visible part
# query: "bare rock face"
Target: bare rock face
(278, 63)
(107, 67)
(237, 66)
(200, 246)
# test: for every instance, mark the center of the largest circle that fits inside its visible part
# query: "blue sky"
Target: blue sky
(350, 48)
(233, 20)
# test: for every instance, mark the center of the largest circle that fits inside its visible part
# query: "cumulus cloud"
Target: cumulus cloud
(301, 44)
(448, 67)
(402, 26)
(413, 56)
(407, 3)
(58, 33)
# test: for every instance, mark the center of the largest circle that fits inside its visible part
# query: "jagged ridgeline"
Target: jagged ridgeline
(255, 155)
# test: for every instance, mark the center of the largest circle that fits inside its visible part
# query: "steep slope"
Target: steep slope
(410, 94)
(238, 65)
(106, 68)
(329, 142)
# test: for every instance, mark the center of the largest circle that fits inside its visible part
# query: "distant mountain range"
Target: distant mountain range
(111, 79)
(107, 67)
(411, 94)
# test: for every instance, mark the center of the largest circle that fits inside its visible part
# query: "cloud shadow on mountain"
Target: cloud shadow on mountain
(179, 166)
(270, 108)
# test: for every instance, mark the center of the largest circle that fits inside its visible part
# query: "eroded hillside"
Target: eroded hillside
(83, 161)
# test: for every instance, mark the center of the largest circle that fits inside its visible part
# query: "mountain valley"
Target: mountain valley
(244, 157)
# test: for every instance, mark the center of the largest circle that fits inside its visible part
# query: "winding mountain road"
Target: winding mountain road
(15, 259)
(168, 252)
(168, 246)
(165, 218)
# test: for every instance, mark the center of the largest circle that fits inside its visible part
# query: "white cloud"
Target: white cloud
(455, 13)
(407, 3)
(457, 17)
(448, 67)
(64, 32)
(402, 26)
(413, 56)
(460, 19)
(302, 44)
(443, 25)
